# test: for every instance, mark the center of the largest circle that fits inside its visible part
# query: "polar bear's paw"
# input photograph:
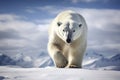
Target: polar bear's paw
(74, 66)
(62, 64)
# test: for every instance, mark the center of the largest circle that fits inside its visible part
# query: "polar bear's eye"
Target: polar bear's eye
(59, 23)
(73, 30)
(80, 25)
(63, 30)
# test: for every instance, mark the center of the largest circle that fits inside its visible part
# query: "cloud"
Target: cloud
(30, 10)
(44, 21)
(8, 17)
(49, 9)
(9, 34)
(75, 1)
(88, 1)
(106, 49)
(16, 34)
(109, 46)
(104, 19)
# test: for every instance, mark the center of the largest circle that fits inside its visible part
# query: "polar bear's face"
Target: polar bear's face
(69, 31)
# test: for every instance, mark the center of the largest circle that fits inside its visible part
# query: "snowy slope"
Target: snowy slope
(7, 73)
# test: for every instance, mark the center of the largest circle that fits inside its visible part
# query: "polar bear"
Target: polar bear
(67, 39)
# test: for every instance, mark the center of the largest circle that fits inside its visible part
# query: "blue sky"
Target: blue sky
(24, 24)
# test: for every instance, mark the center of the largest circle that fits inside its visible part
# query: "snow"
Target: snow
(27, 59)
(89, 61)
(95, 67)
(43, 62)
(52, 73)
(24, 67)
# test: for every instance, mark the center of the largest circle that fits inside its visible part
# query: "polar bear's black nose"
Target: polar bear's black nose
(68, 40)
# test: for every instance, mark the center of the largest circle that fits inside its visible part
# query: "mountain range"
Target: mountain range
(92, 60)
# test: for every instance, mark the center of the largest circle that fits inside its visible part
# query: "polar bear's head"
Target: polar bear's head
(70, 26)
(69, 31)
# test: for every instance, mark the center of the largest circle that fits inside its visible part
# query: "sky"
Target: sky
(24, 24)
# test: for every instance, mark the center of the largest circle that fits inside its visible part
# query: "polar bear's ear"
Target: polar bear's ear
(59, 23)
(80, 25)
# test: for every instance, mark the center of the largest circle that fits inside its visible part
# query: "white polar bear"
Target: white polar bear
(67, 39)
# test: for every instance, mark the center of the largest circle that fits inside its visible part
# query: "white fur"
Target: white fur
(67, 26)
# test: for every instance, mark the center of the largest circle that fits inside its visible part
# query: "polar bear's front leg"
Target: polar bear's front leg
(59, 60)
(74, 64)
(75, 60)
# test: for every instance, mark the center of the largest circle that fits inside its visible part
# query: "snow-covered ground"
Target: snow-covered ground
(51, 73)
(95, 67)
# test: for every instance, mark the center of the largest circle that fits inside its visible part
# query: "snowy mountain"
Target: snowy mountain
(92, 60)
(6, 60)
(115, 58)
(43, 60)
(92, 55)
(100, 62)
(21, 61)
